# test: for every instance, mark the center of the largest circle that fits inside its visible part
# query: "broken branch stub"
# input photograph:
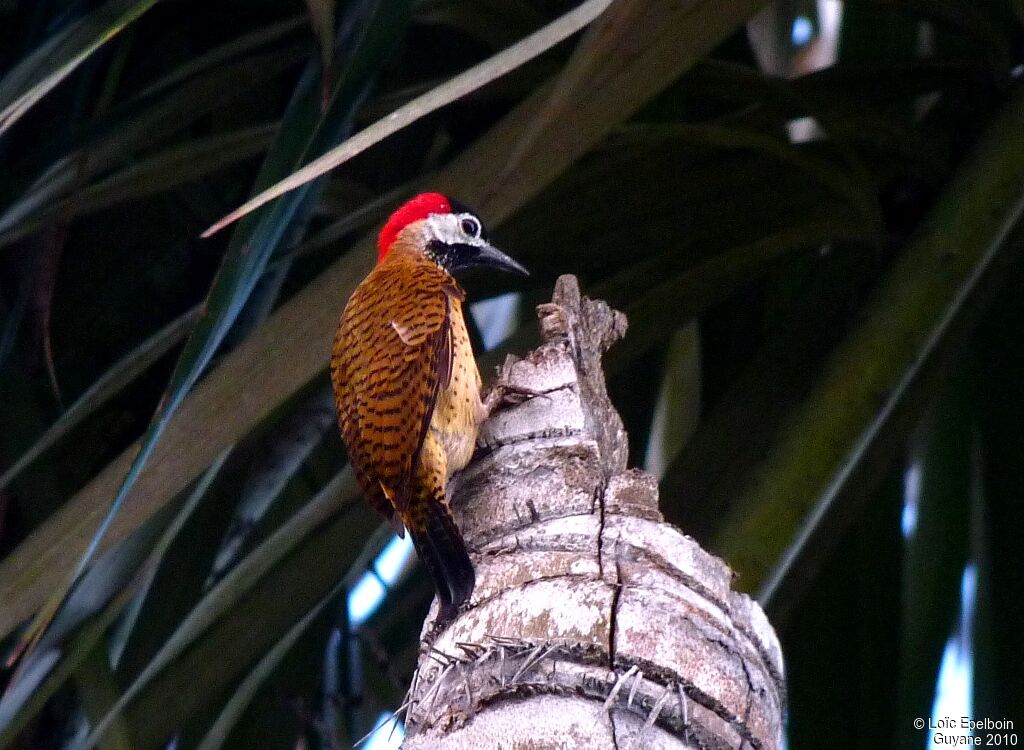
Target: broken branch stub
(594, 624)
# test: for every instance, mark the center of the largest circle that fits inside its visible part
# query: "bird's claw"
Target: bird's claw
(503, 393)
(517, 394)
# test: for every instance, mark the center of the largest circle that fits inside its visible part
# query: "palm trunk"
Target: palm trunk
(594, 624)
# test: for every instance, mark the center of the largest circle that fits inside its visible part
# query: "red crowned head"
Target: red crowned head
(450, 235)
(420, 207)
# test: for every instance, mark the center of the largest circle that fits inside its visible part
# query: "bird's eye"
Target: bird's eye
(471, 227)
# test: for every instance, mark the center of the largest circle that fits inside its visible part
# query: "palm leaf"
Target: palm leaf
(108, 385)
(56, 59)
(337, 496)
(294, 342)
(243, 265)
(458, 87)
(799, 490)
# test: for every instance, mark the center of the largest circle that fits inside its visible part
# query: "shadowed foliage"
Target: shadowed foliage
(809, 211)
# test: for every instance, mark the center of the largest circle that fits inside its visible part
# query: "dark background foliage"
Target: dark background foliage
(814, 235)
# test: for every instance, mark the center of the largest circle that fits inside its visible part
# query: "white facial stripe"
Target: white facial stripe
(447, 228)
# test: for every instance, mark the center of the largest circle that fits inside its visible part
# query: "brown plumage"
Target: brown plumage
(407, 385)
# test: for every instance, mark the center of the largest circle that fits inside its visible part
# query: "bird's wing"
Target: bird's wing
(392, 355)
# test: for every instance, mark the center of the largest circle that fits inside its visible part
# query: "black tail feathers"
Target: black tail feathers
(439, 544)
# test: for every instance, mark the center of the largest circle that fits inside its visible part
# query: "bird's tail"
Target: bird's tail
(440, 546)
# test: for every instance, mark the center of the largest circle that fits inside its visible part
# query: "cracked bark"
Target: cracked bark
(594, 624)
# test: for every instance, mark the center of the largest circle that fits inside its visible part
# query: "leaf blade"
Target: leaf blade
(99, 27)
(293, 343)
(450, 91)
(250, 250)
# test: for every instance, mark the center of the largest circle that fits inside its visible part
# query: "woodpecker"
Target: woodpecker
(406, 383)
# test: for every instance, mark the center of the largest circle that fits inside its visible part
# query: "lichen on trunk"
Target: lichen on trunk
(594, 624)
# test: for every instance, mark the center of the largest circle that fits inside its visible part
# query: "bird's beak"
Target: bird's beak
(488, 255)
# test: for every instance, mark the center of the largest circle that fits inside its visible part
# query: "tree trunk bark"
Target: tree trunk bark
(593, 624)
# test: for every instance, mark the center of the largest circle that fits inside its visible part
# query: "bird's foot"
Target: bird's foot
(503, 394)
